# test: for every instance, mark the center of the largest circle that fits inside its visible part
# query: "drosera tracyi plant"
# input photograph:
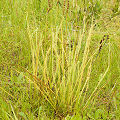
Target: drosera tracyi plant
(59, 71)
(59, 65)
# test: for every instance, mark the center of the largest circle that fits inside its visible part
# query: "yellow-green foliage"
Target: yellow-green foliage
(51, 65)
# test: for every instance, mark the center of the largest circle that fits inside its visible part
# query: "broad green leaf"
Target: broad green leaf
(23, 115)
(20, 76)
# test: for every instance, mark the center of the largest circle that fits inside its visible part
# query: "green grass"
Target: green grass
(50, 65)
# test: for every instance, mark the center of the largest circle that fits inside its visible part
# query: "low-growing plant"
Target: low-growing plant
(52, 66)
(59, 68)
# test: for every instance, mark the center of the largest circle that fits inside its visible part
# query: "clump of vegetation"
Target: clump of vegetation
(59, 60)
